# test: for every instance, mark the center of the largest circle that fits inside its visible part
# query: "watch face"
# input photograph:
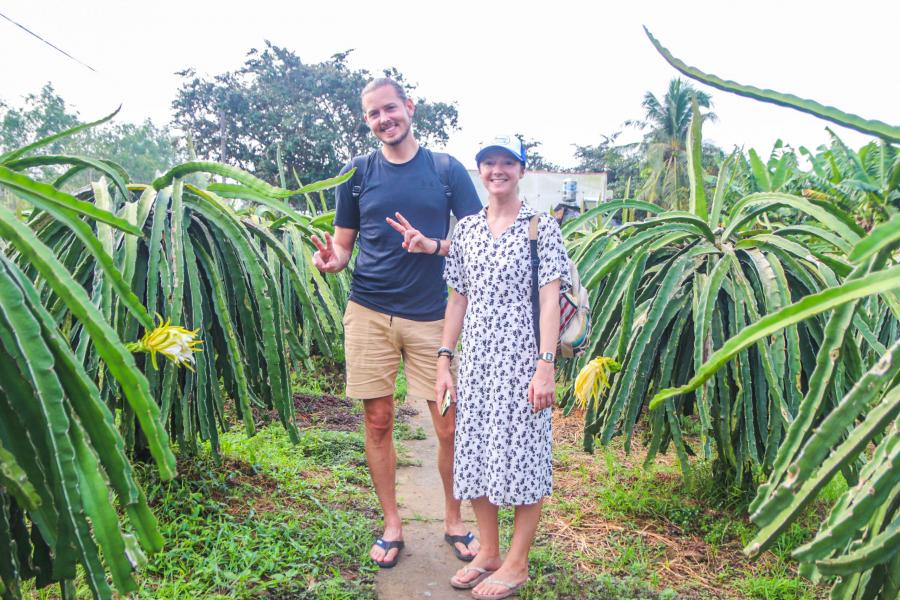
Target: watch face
(548, 356)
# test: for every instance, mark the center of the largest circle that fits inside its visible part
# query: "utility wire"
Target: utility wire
(57, 48)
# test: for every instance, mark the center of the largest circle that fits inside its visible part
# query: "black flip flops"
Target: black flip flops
(387, 546)
(465, 540)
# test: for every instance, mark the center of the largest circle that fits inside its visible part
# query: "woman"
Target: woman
(506, 382)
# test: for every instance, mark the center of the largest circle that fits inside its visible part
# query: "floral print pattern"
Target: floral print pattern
(502, 447)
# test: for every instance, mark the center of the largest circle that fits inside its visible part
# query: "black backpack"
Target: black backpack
(440, 161)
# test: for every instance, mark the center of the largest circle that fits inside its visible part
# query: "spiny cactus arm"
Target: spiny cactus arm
(878, 550)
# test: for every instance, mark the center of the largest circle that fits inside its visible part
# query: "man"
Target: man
(398, 295)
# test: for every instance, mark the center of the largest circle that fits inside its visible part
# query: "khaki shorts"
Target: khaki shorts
(375, 342)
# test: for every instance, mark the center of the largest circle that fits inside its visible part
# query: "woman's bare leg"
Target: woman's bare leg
(514, 569)
(488, 556)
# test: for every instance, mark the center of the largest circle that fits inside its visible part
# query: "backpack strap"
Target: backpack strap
(535, 265)
(361, 163)
(442, 165)
(533, 223)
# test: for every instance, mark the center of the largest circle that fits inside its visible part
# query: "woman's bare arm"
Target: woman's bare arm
(542, 390)
(453, 323)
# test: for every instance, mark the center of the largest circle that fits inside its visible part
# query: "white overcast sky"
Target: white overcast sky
(558, 71)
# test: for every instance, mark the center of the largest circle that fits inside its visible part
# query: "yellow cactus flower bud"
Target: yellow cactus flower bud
(175, 343)
(593, 379)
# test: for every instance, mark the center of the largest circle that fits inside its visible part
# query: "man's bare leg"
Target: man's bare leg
(382, 459)
(445, 428)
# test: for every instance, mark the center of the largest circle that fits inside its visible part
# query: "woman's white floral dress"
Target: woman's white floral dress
(503, 449)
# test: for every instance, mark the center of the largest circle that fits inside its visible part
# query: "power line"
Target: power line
(57, 48)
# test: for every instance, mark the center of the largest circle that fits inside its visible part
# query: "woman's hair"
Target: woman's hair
(381, 82)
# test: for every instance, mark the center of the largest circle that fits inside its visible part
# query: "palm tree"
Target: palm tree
(665, 143)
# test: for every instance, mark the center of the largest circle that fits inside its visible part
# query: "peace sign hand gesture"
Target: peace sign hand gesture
(325, 259)
(413, 239)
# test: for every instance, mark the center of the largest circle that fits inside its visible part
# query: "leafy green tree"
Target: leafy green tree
(669, 290)
(622, 162)
(862, 183)
(42, 114)
(665, 163)
(142, 150)
(277, 105)
(671, 117)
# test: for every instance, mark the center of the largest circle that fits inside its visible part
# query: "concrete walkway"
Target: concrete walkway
(427, 562)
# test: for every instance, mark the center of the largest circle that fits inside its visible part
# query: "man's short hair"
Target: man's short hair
(381, 82)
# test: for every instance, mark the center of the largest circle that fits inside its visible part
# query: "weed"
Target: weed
(321, 377)
(775, 588)
(403, 431)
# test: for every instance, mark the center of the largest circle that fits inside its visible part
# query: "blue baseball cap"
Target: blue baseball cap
(508, 143)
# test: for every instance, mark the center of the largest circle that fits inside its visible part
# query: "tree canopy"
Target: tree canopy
(622, 162)
(142, 150)
(42, 114)
(275, 104)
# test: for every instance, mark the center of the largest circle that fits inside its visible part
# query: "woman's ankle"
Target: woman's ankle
(515, 566)
(486, 557)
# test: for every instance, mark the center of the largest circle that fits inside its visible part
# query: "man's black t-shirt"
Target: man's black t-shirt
(387, 278)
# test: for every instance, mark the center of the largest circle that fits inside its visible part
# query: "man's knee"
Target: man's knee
(379, 417)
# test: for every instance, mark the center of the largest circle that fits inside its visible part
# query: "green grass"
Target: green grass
(400, 386)
(552, 578)
(292, 521)
(775, 588)
(404, 431)
(274, 519)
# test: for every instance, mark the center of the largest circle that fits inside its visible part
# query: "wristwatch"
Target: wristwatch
(437, 247)
(444, 351)
(547, 357)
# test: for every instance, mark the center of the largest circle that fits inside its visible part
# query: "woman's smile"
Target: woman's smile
(500, 173)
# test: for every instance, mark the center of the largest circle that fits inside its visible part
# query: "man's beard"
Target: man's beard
(399, 140)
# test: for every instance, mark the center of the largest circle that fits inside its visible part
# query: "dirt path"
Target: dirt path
(427, 562)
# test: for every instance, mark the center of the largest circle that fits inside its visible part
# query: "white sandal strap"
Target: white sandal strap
(469, 582)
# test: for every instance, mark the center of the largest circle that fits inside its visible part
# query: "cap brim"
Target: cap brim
(487, 149)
